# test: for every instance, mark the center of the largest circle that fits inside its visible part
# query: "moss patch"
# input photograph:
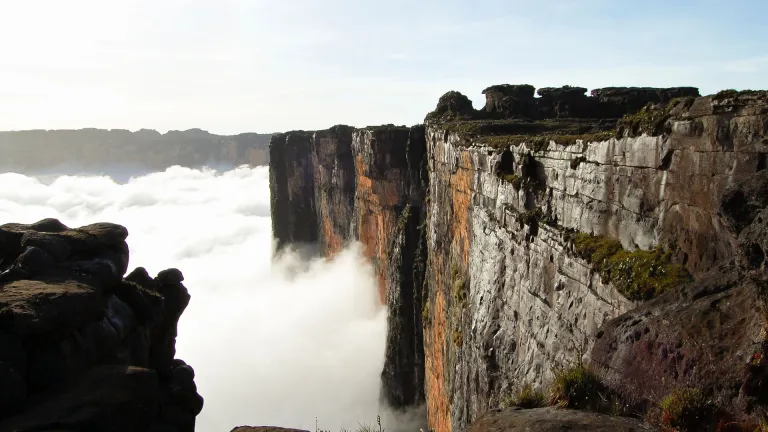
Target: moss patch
(541, 142)
(536, 133)
(686, 410)
(457, 339)
(725, 94)
(650, 120)
(460, 291)
(580, 388)
(526, 398)
(638, 275)
(516, 180)
(403, 219)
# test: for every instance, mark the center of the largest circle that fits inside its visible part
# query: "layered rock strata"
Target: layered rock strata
(542, 226)
(81, 346)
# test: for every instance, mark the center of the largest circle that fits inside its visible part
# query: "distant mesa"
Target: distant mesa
(32, 151)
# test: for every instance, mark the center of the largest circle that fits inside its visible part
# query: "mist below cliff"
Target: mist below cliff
(273, 342)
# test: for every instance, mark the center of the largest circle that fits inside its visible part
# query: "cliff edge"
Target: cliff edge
(617, 229)
(81, 346)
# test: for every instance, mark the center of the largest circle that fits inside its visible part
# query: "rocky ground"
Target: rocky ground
(83, 347)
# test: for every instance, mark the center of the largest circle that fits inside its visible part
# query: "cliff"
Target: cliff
(81, 346)
(619, 229)
(38, 150)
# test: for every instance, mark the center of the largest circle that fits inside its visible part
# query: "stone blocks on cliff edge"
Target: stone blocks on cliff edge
(81, 347)
(518, 101)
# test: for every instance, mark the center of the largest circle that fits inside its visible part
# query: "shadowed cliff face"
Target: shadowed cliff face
(292, 188)
(344, 184)
(39, 151)
(511, 195)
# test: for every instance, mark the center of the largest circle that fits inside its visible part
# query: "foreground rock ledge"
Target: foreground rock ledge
(554, 420)
(83, 348)
(265, 429)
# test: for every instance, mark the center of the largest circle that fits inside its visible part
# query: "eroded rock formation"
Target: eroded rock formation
(83, 348)
(531, 234)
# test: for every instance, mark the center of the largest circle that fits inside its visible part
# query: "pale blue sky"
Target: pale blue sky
(232, 66)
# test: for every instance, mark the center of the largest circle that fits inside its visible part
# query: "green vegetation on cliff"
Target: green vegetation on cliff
(686, 410)
(536, 134)
(580, 388)
(639, 274)
(526, 398)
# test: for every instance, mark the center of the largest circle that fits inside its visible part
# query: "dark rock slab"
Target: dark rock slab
(265, 429)
(702, 335)
(34, 306)
(108, 398)
(554, 420)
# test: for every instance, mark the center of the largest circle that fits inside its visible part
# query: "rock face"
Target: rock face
(39, 150)
(81, 346)
(343, 184)
(508, 214)
(554, 420)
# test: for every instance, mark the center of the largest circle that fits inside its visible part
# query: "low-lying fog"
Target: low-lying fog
(273, 343)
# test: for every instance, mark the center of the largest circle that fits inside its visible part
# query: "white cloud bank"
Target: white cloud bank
(272, 343)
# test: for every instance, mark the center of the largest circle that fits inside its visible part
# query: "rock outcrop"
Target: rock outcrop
(554, 420)
(35, 151)
(265, 429)
(81, 346)
(519, 239)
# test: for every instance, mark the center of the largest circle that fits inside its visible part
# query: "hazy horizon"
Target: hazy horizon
(235, 66)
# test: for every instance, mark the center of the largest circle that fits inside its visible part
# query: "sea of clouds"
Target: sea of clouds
(273, 342)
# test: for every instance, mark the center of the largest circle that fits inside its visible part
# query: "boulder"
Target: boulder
(507, 100)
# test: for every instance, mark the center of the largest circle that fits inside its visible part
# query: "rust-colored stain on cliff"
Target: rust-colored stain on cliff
(461, 194)
(377, 219)
(332, 242)
(435, 344)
